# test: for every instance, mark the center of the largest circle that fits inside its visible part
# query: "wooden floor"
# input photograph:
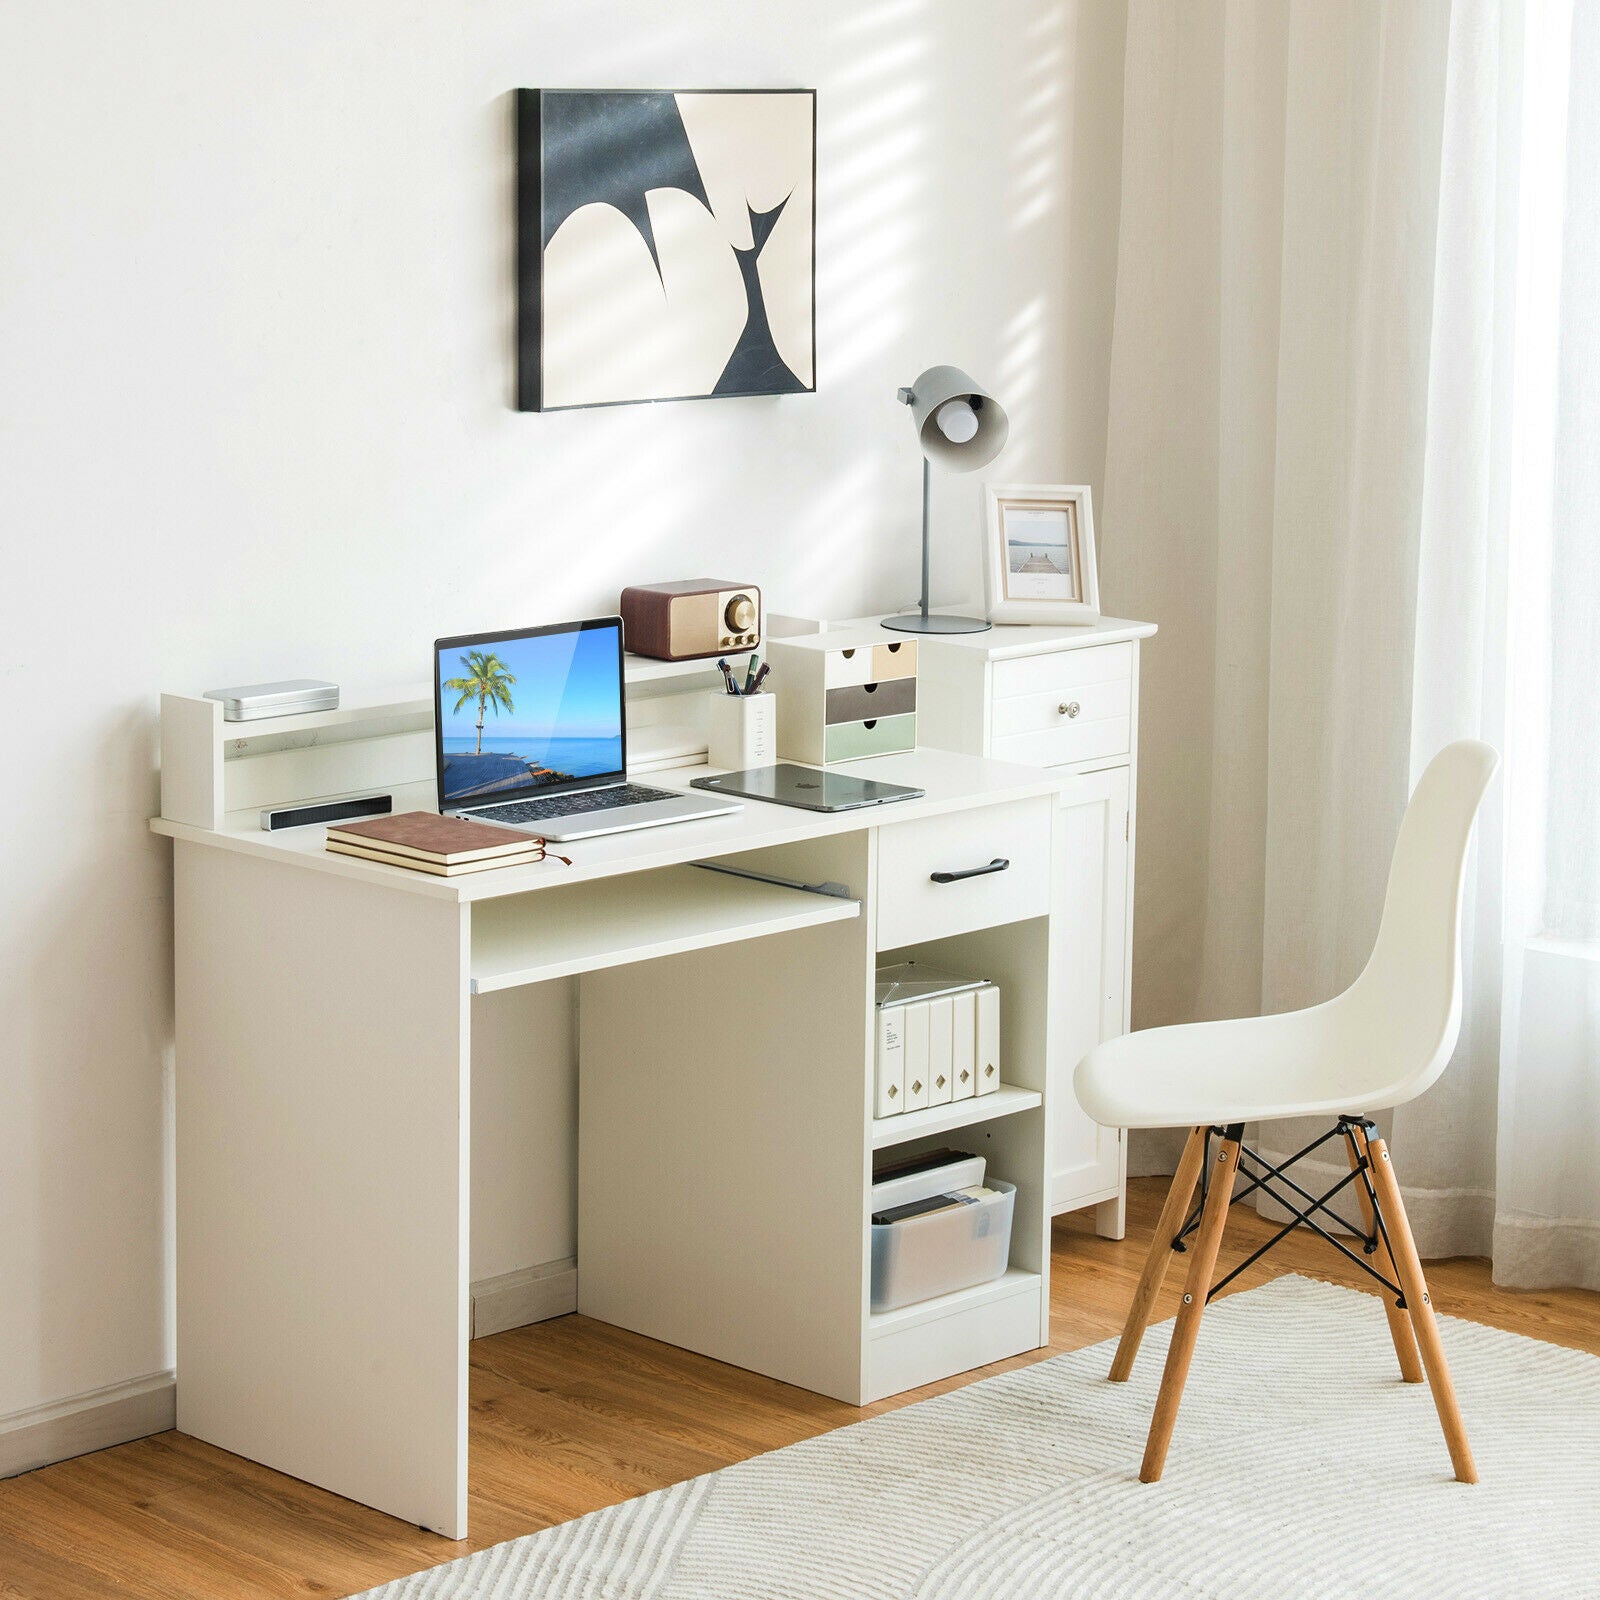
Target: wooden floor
(567, 1416)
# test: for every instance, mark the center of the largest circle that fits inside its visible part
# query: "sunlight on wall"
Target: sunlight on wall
(1039, 155)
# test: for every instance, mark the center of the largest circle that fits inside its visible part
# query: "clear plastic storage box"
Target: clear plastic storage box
(920, 1257)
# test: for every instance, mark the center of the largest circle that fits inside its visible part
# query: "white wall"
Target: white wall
(255, 323)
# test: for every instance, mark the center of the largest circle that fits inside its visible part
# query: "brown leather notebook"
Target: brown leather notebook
(429, 837)
(440, 869)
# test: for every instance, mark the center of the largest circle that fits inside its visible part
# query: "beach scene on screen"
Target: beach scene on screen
(519, 714)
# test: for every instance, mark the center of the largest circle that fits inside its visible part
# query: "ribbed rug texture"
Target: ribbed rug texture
(1301, 1468)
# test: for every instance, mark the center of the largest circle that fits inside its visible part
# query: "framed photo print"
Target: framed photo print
(1039, 559)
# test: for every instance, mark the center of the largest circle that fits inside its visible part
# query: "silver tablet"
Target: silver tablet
(810, 788)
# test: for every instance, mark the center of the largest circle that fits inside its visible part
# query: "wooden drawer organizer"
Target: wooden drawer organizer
(844, 695)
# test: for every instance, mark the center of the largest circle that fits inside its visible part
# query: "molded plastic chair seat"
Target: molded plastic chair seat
(1247, 1069)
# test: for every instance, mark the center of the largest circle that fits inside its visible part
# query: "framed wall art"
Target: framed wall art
(1039, 554)
(665, 245)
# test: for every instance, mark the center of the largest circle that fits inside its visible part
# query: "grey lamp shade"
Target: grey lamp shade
(936, 387)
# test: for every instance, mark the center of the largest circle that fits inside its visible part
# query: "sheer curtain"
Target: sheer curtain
(1353, 364)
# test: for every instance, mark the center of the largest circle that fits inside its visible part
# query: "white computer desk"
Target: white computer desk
(324, 1019)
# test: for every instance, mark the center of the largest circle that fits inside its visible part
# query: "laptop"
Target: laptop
(528, 732)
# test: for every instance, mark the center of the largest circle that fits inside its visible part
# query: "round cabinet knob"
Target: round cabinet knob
(1069, 708)
(740, 614)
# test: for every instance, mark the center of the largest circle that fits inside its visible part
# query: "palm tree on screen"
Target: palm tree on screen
(487, 682)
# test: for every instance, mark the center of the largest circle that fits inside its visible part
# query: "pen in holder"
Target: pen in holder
(741, 730)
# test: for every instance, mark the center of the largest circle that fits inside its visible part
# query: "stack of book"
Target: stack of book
(424, 841)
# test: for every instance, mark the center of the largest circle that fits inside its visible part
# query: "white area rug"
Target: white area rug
(1301, 1468)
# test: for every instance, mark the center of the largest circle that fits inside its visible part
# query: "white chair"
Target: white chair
(1380, 1043)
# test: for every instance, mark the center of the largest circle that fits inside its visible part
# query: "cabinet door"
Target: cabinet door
(1089, 988)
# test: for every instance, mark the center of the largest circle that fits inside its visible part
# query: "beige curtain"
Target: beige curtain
(1312, 473)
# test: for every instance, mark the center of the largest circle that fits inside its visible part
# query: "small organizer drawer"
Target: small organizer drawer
(966, 870)
(860, 702)
(879, 736)
(1076, 705)
(870, 663)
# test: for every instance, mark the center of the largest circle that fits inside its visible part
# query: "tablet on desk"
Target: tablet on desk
(810, 788)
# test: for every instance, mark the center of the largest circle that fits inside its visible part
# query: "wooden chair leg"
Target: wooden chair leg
(1405, 1343)
(1202, 1264)
(1409, 1265)
(1173, 1213)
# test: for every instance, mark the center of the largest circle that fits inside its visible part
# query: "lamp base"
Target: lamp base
(935, 622)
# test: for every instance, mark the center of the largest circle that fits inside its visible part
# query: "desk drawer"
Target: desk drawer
(1075, 705)
(912, 907)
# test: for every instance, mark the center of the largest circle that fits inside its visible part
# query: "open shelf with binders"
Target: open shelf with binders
(912, 1344)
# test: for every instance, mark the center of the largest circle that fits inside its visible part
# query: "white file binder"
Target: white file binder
(941, 1020)
(916, 1073)
(988, 1031)
(891, 1062)
(963, 1045)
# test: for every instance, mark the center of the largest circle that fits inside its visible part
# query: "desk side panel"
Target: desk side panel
(723, 1146)
(322, 1117)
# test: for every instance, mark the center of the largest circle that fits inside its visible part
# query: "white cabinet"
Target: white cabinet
(1066, 699)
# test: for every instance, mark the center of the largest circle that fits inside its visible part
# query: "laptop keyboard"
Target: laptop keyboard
(571, 805)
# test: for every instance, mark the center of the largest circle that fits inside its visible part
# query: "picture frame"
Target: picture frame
(666, 245)
(1039, 557)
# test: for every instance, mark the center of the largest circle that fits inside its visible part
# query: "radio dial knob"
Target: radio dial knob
(740, 614)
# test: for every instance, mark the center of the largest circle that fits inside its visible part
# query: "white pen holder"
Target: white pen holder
(741, 730)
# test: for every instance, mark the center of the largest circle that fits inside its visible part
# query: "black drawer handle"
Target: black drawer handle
(999, 864)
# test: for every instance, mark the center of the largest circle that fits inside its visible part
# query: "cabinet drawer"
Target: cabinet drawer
(912, 907)
(1076, 705)
(870, 663)
(860, 701)
(845, 741)
(1062, 669)
(1081, 723)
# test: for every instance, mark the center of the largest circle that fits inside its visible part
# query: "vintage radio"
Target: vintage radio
(696, 617)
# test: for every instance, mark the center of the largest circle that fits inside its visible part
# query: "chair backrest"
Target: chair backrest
(1409, 994)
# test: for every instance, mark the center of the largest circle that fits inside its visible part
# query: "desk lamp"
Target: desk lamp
(961, 428)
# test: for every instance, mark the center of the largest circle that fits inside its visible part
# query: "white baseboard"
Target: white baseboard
(515, 1299)
(85, 1422)
(142, 1406)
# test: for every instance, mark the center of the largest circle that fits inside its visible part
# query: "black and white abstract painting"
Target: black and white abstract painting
(665, 245)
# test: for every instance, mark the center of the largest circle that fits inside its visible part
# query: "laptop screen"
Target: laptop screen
(538, 709)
